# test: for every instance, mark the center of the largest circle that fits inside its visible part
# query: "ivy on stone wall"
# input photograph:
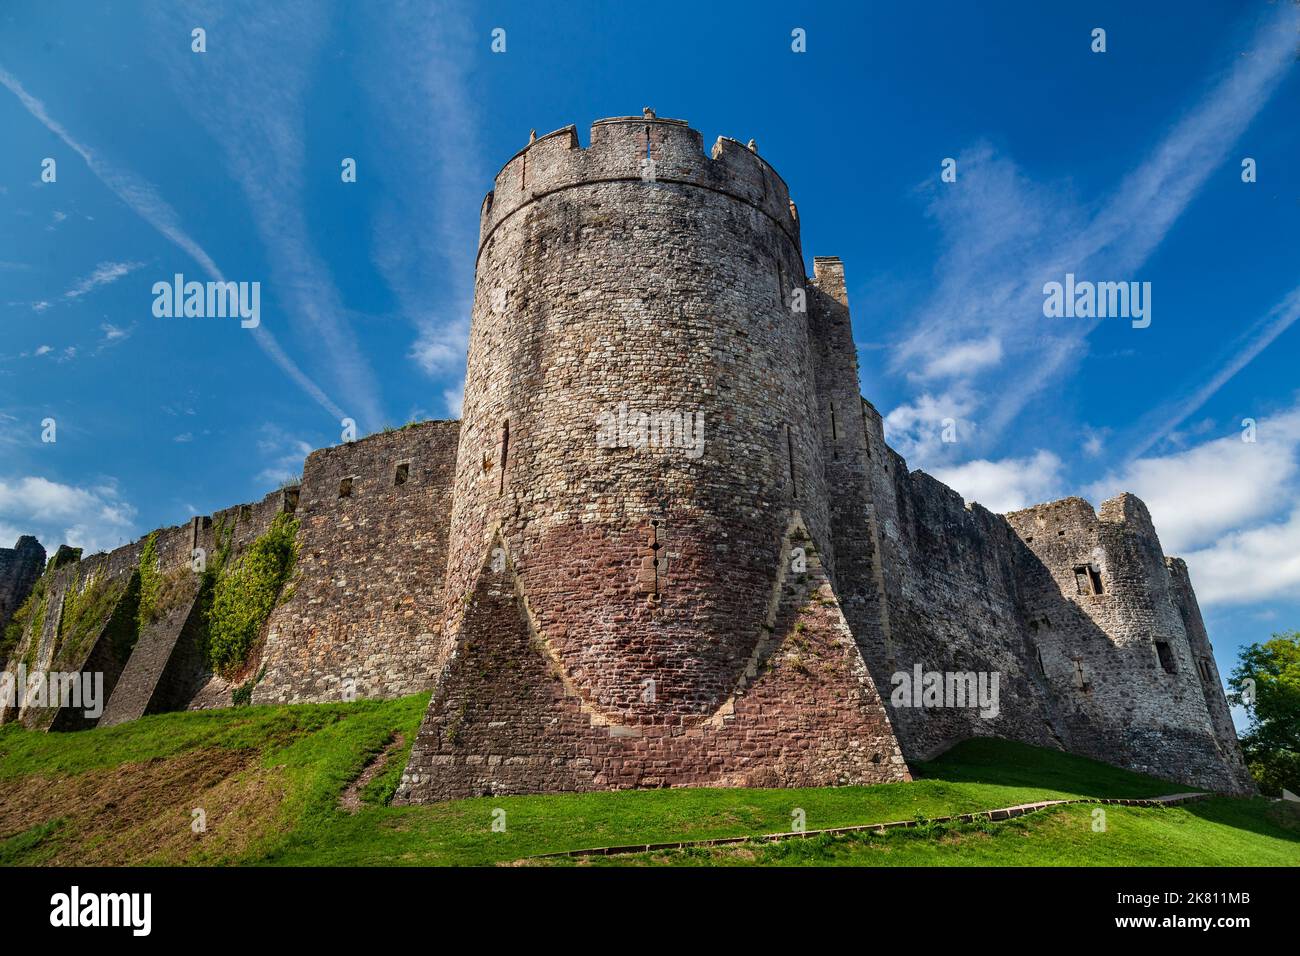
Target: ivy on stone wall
(244, 594)
(87, 607)
(151, 580)
(37, 625)
(34, 606)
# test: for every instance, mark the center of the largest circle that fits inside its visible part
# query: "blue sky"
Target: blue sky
(1116, 166)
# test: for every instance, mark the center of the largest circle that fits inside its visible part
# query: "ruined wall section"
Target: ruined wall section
(946, 599)
(167, 666)
(20, 568)
(85, 619)
(1097, 641)
(1207, 671)
(63, 633)
(362, 612)
(1112, 635)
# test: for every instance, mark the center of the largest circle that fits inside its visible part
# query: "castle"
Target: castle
(666, 544)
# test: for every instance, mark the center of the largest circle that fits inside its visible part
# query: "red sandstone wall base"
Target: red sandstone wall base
(505, 720)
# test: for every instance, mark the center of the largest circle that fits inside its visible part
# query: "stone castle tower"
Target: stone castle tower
(667, 544)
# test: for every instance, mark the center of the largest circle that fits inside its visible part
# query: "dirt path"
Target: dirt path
(350, 798)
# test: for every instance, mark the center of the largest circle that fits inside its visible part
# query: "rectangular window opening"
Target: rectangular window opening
(345, 488)
(402, 473)
(1094, 576)
(1166, 657)
(1087, 579)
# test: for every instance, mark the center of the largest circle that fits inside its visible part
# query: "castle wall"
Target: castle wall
(926, 580)
(589, 614)
(55, 638)
(1116, 646)
(506, 717)
(362, 613)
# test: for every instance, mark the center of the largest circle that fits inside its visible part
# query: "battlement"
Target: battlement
(637, 149)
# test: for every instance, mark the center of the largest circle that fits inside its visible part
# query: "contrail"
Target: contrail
(144, 200)
(1274, 322)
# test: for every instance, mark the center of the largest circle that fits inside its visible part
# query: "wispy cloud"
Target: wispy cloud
(418, 83)
(142, 198)
(268, 58)
(105, 273)
(284, 456)
(1258, 337)
(1006, 235)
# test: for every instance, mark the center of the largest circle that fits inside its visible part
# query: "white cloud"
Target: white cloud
(1230, 508)
(285, 456)
(965, 358)
(1217, 486)
(93, 518)
(43, 350)
(105, 273)
(1008, 484)
(1253, 565)
(916, 430)
(418, 78)
(1094, 442)
(455, 399)
(270, 60)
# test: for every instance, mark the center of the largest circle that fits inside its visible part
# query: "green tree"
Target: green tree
(1266, 682)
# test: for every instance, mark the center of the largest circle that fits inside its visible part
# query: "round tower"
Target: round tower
(639, 421)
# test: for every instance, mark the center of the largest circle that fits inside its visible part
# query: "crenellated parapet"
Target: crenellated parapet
(658, 152)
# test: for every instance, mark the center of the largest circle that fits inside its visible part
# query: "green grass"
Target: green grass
(313, 751)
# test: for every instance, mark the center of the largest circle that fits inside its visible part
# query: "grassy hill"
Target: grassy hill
(309, 784)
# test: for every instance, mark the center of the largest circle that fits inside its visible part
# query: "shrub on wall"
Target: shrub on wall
(245, 593)
(34, 606)
(151, 580)
(86, 610)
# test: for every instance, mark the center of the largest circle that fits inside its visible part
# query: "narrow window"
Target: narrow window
(505, 454)
(780, 283)
(523, 171)
(402, 473)
(835, 433)
(1087, 579)
(789, 444)
(345, 488)
(1038, 652)
(647, 144)
(1081, 583)
(1166, 657)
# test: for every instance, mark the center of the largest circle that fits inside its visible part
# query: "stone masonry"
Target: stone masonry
(20, 568)
(667, 544)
